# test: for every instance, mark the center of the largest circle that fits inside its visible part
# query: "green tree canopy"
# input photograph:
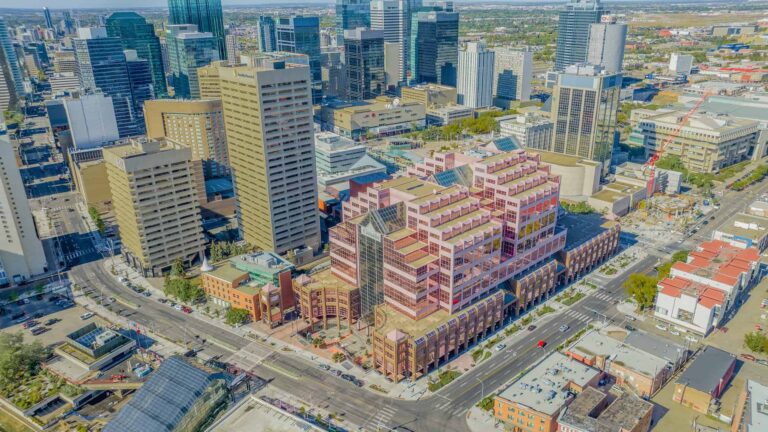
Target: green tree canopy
(17, 358)
(642, 288)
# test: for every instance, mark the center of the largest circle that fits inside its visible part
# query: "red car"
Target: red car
(749, 357)
(541, 344)
(186, 309)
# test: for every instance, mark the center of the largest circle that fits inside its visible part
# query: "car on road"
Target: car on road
(190, 354)
(674, 333)
(564, 328)
(629, 328)
(629, 318)
(146, 293)
(324, 367)
(87, 315)
(162, 300)
(186, 309)
(541, 344)
(499, 347)
(690, 338)
(531, 327)
(749, 357)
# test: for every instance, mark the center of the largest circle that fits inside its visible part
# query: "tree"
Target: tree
(642, 288)
(235, 316)
(664, 269)
(18, 359)
(183, 290)
(338, 357)
(756, 342)
(178, 268)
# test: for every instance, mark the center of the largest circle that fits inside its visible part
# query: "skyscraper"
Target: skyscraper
(573, 31)
(11, 60)
(393, 17)
(140, 77)
(435, 47)
(271, 153)
(267, 34)
(21, 252)
(159, 220)
(364, 59)
(207, 15)
(188, 50)
(606, 44)
(585, 101)
(233, 49)
(301, 34)
(137, 34)
(101, 66)
(351, 14)
(512, 76)
(475, 76)
(8, 97)
(48, 19)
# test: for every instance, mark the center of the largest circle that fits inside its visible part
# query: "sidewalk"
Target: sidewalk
(482, 421)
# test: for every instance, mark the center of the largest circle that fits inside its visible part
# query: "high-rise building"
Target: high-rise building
(91, 120)
(393, 17)
(585, 101)
(8, 97)
(392, 70)
(267, 34)
(573, 29)
(48, 19)
(155, 201)
(188, 50)
(301, 34)
(11, 59)
(351, 14)
(137, 34)
(364, 59)
(512, 75)
(102, 66)
(21, 252)
(268, 119)
(475, 76)
(68, 24)
(140, 77)
(233, 49)
(207, 15)
(434, 47)
(197, 124)
(606, 44)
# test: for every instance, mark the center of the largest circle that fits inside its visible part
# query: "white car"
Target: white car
(661, 327)
(86, 315)
(674, 332)
(177, 307)
(690, 338)
(499, 347)
(564, 328)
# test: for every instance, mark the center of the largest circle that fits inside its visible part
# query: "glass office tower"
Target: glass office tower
(188, 49)
(351, 14)
(435, 47)
(137, 34)
(207, 15)
(573, 31)
(301, 34)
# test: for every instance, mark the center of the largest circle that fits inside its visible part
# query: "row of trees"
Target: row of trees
(758, 174)
(485, 123)
(96, 217)
(579, 207)
(642, 287)
(223, 250)
(183, 289)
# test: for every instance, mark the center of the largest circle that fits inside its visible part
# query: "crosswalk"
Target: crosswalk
(382, 417)
(78, 253)
(449, 407)
(581, 316)
(604, 296)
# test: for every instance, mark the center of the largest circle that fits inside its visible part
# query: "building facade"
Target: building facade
(531, 130)
(274, 175)
(512, 75)
(351, 14)
(375, 118)
(475, 76)
(434, 48)
(137, 34)
(606, 44)
(267, 34)
(155, 201)
(197, 124)
(207, 15)
(301, 35)
(188, 50)
(91, 120)
(364, 59)
(573, 28)
(393, 17)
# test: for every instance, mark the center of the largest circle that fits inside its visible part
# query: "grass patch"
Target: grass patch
(545, 310)
(443, 379)
(526, 320)
(570, 300)
(512, 330)
(477, 355)
(377, 388)
(486, 404)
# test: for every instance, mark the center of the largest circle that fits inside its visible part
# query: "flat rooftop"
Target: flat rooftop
(746, 225)
(659, 346)
(756, 413)
(623, 413)
(582, 228)
(706, 371)
(597, 344)
(545, 387)
(324, 280)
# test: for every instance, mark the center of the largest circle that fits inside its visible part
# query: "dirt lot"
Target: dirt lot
(742, 323)
(682, 20)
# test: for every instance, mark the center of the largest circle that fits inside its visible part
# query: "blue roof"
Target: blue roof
(163, 401)
(461, 175)
(370, 178)
(218, 185)
(506, 144)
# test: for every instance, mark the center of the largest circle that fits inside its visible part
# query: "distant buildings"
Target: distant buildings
(680, 63)
(534, 402)
(207, 15)
(699, 293)
(267, 34)
(137, 34)
(434, 47)
(585, 101)
(10, 65)
(102, 66)
(393, 17)
(429, 95)
(705, 144)
(271, 152)
(21, 252)
(375, 118)
(301, 34)
(340, 159)
(197, 124)
(259, 283)
(155, 196)
(364, 59)
(531, 130)
(512, 76)
(188, 50)
(91, 120)
(606, 44)
(573, 29)
(351, 14)
(475, 76)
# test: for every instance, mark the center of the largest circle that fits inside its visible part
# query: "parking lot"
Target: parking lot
(68, 321)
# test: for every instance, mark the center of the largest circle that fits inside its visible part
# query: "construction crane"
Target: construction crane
(650, 165)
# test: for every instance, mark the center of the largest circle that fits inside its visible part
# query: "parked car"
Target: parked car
(531, 327)
(39, 330)
(499, 347)
(749, 357)
(661, 327)
(186, 309)
(37, 315)
(87, 315)
(629, 318)
(52, 321)
(324, 367)
(29, 324)
(690, 338)
(190, 353)
(18, 315)
(162, 300)
(177, 306)
(629, 327)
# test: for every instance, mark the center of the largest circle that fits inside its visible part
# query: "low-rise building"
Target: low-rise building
(618, 198)
(89, 174)
(339, 159)
(534, 402)
(374, 118)
(429, 95)
(698, 293)
(322, 297)
(93, 347)
(744, 230)
(595, 411)
(258, 282)
(580, 178)
(532, 130)
(706, 144)
(590, 241)
(448, 114)
(751, 414)
(665, 181)
(705, 379)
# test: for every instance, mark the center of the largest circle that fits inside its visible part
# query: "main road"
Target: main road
(441, 411)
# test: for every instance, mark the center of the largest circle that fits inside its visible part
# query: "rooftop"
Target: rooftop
(706, 371)
(756, 413)
(623, 413)
(582, 228)
(659, 346)
(545, 388)
(323, 280)
(718, 261)
(595, 343)
(746, 225)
